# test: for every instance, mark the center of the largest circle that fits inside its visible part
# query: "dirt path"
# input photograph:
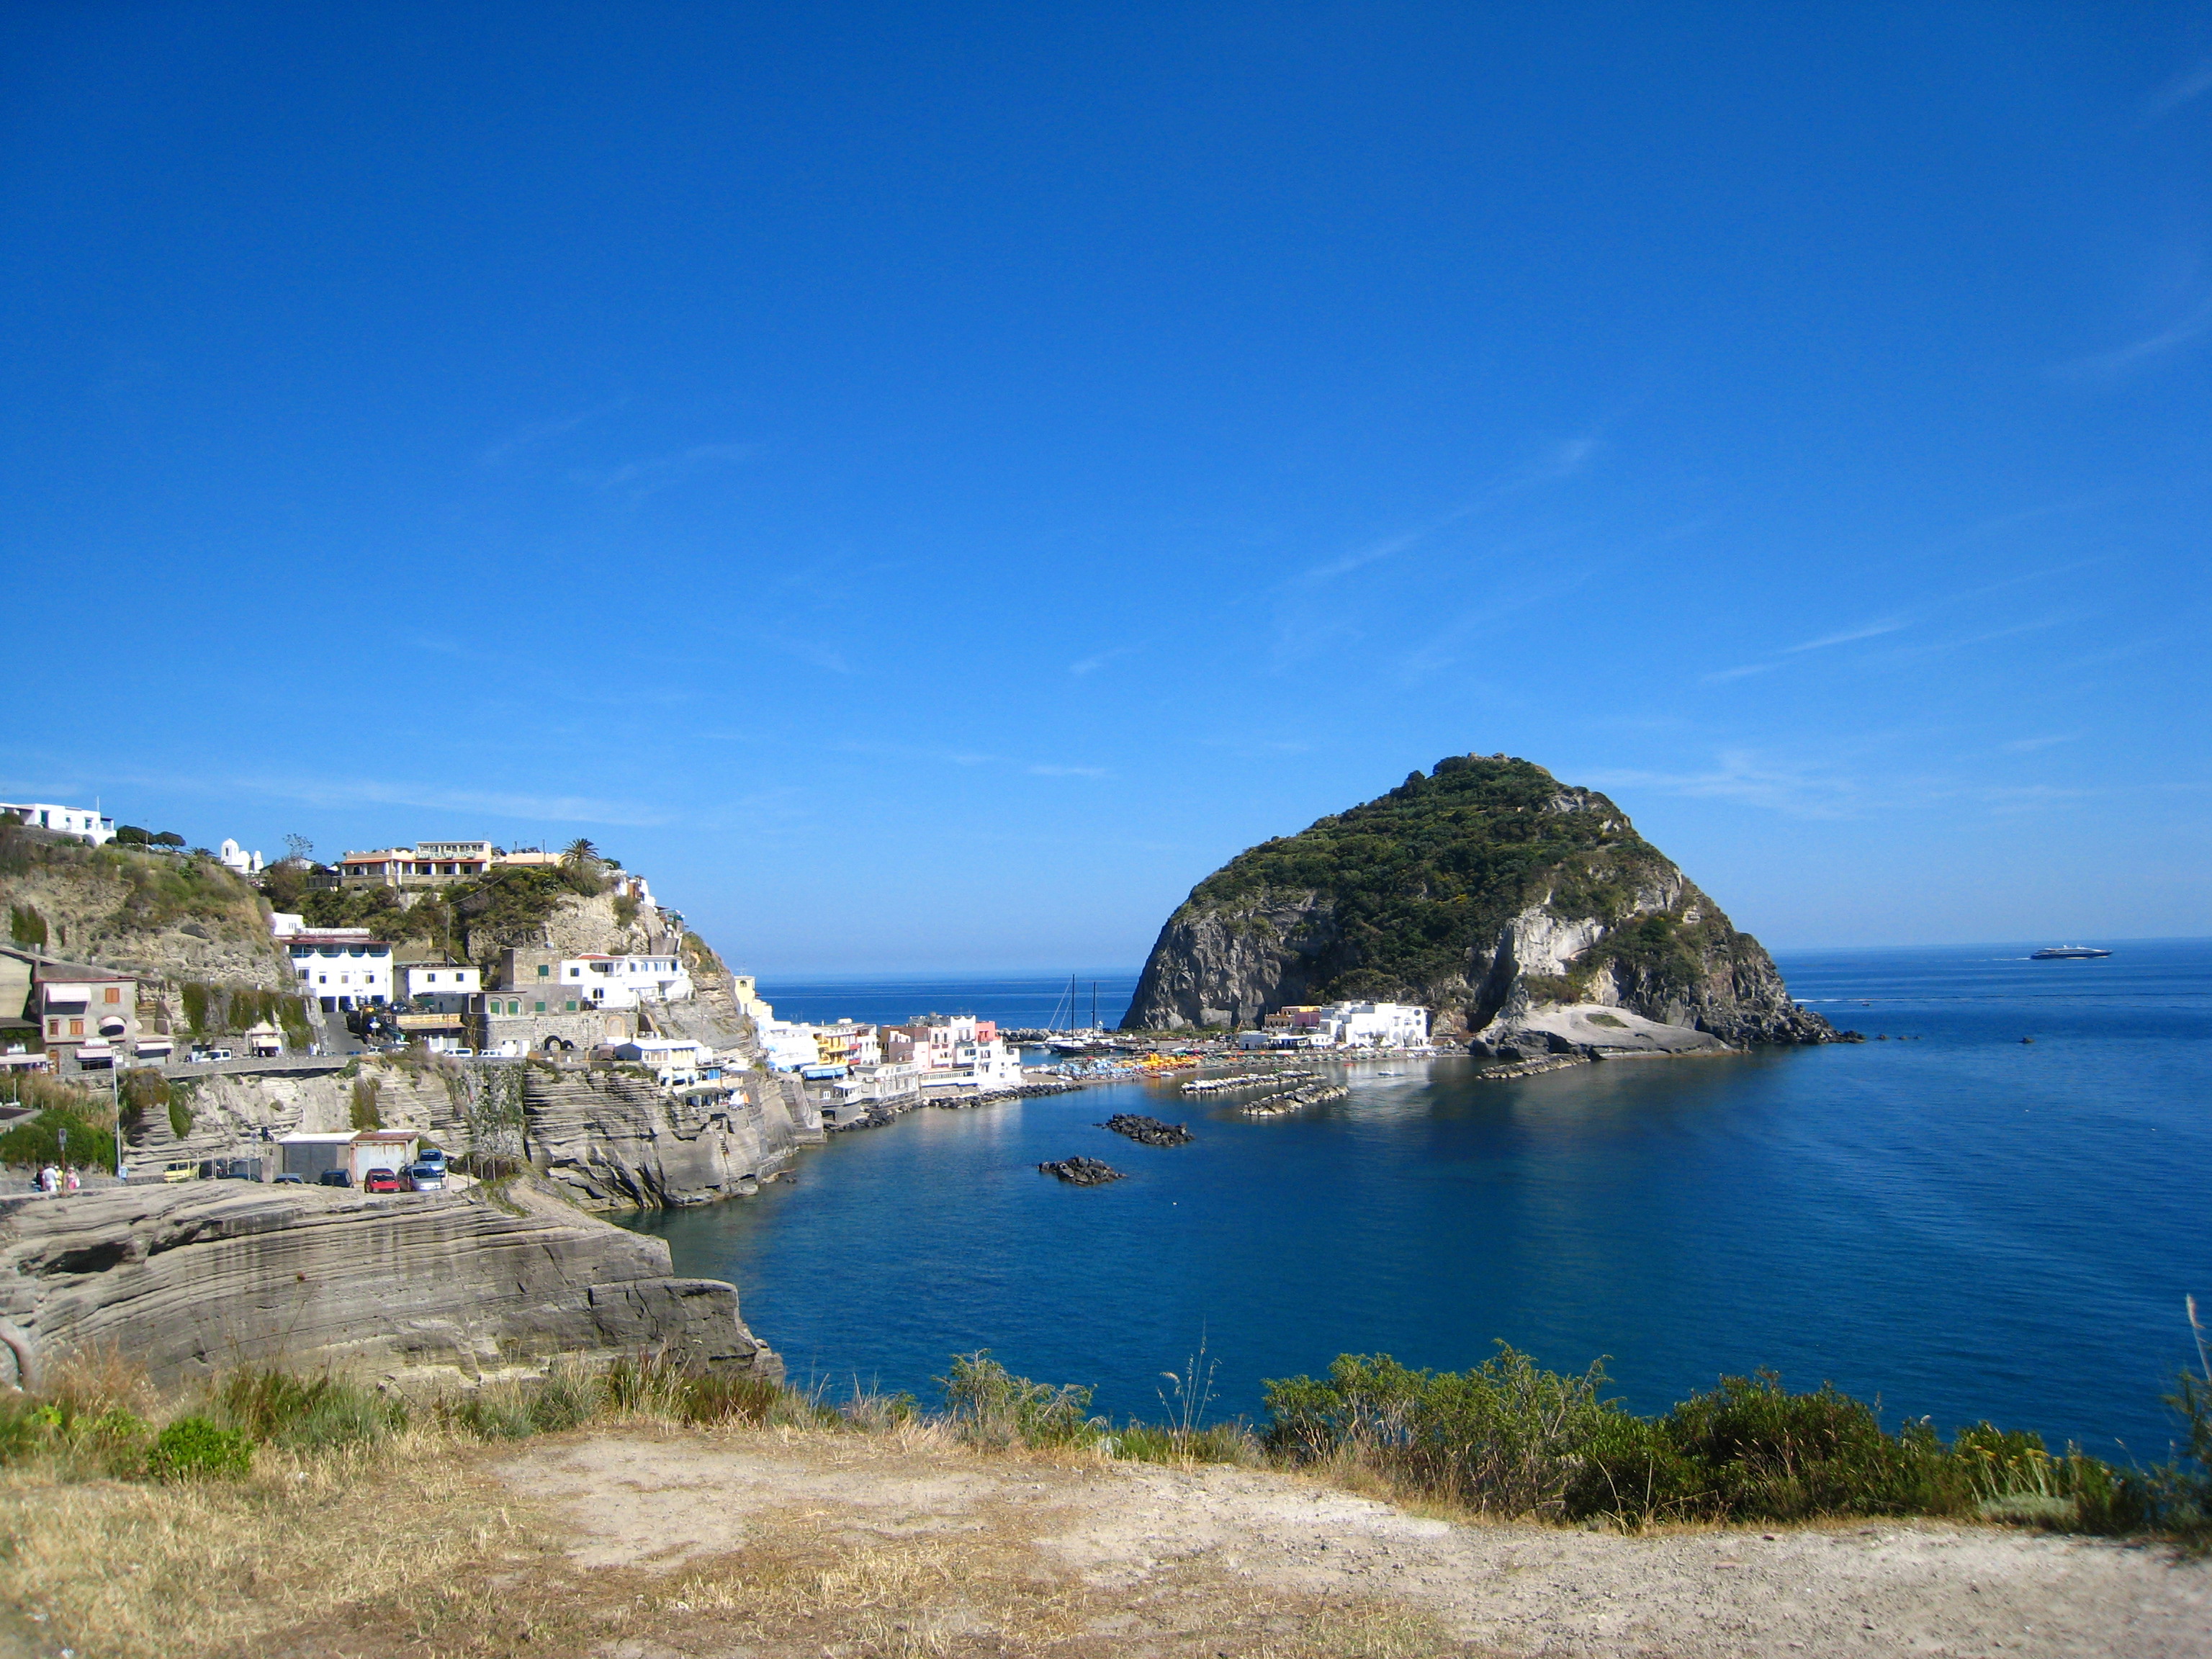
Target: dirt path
(856, 1545)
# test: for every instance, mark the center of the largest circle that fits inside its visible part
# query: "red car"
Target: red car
(382, 1181)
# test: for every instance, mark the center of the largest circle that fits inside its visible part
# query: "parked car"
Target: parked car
(382, 1181)
(335, 1178)
(432, 1155)
(181, 1172)
(291, 1180)
(426, 1177)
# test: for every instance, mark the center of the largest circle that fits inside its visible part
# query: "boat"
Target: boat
(2066, 953)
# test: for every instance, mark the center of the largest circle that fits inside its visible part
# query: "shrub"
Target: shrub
(193, 1447)
(1505, 1437)
(59, 1134)
(22, 1428)
(26, 927)
(278, 1407)
(365, 1113)
(727, 1396)
(139, 1089)
(992, 1406)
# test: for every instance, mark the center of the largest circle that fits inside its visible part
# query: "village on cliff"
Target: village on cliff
(660, 1010)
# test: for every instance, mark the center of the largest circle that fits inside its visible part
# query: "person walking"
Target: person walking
(73, 1183)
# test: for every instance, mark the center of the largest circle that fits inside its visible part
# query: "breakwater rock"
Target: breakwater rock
(1082, 1171)
(1289, 1100)
(1487, 891)
(1148, 1131)
(883, 1112)
(193, 1279)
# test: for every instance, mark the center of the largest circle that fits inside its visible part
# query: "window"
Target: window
(572, 1004)
(53, 1027)
(541, 1007)
(76, 1028)
(114, 994)
(303, 973)
(544, 969)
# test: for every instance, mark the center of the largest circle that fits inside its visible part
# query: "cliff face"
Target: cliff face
(160, 916)
(1487, 891)
(196, 1279)
(614, 1142)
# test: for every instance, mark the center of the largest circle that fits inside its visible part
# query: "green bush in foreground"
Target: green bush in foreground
(191, 1448)
(991, 1407)
(1509, 1439)
(304, 1413)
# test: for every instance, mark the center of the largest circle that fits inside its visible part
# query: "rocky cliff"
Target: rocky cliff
(162, 916)
(416, 1287)
(1488, 891)
(617, 1142)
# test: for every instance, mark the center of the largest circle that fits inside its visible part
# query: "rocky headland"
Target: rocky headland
(1528, 914)
(192, 1281)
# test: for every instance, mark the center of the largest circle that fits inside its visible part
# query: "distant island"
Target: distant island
(1527, 914)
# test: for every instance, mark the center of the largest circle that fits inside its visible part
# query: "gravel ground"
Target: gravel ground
(1150, 1558)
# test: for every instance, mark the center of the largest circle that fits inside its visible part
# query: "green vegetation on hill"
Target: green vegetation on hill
(148, 890)
(510, 905)
(1436, 867)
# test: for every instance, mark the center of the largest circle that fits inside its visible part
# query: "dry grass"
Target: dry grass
(147, 1572)
(415, 1547)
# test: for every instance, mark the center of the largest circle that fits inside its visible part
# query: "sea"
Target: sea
(1991, 1210)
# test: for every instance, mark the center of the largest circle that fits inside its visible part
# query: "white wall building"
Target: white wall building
(619, 981)
(789, 1045)
(79, 820)
(443, 987)
(1375, 1025)
(674, 1062)
(344, 968)
(233, 857)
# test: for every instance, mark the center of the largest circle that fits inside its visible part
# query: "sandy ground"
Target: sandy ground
(1025, 1554)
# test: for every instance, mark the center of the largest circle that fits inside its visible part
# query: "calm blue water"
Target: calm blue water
(1018, 1001)
(1960, 1223)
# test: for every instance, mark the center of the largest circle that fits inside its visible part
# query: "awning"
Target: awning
(155, 1045)
(113, 1027)
(66, 996)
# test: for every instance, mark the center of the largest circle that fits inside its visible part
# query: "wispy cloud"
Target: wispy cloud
(812, 652)
(2189, 84)
(1871, 630)
(362, 791)
(1091, 664)
(643, 478)
(1740, 775)
(1562, 461)
(2029, 745)
(1048, 770)
(2106, 365)
(507, 448)
(1722, 676)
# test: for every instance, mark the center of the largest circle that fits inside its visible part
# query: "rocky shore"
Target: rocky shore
(191, 1279)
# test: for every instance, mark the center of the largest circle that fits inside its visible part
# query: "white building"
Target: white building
(620, 982)
(1375, 1025)
(79, 820)
(341, 967)
(674, 1062)
(233, 857)
(789, 1045)
(444, 986)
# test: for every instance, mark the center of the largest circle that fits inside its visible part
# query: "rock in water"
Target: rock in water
(1082, 1171)
(1148, 1131)
(1514, 906)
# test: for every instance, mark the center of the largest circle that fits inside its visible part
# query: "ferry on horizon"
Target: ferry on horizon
(2066, 953)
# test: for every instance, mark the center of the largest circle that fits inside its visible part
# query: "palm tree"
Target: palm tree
(580, 853)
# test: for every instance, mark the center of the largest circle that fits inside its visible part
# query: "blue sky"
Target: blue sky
(927, 484)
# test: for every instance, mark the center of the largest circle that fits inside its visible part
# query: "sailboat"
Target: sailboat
(1073, 1041)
